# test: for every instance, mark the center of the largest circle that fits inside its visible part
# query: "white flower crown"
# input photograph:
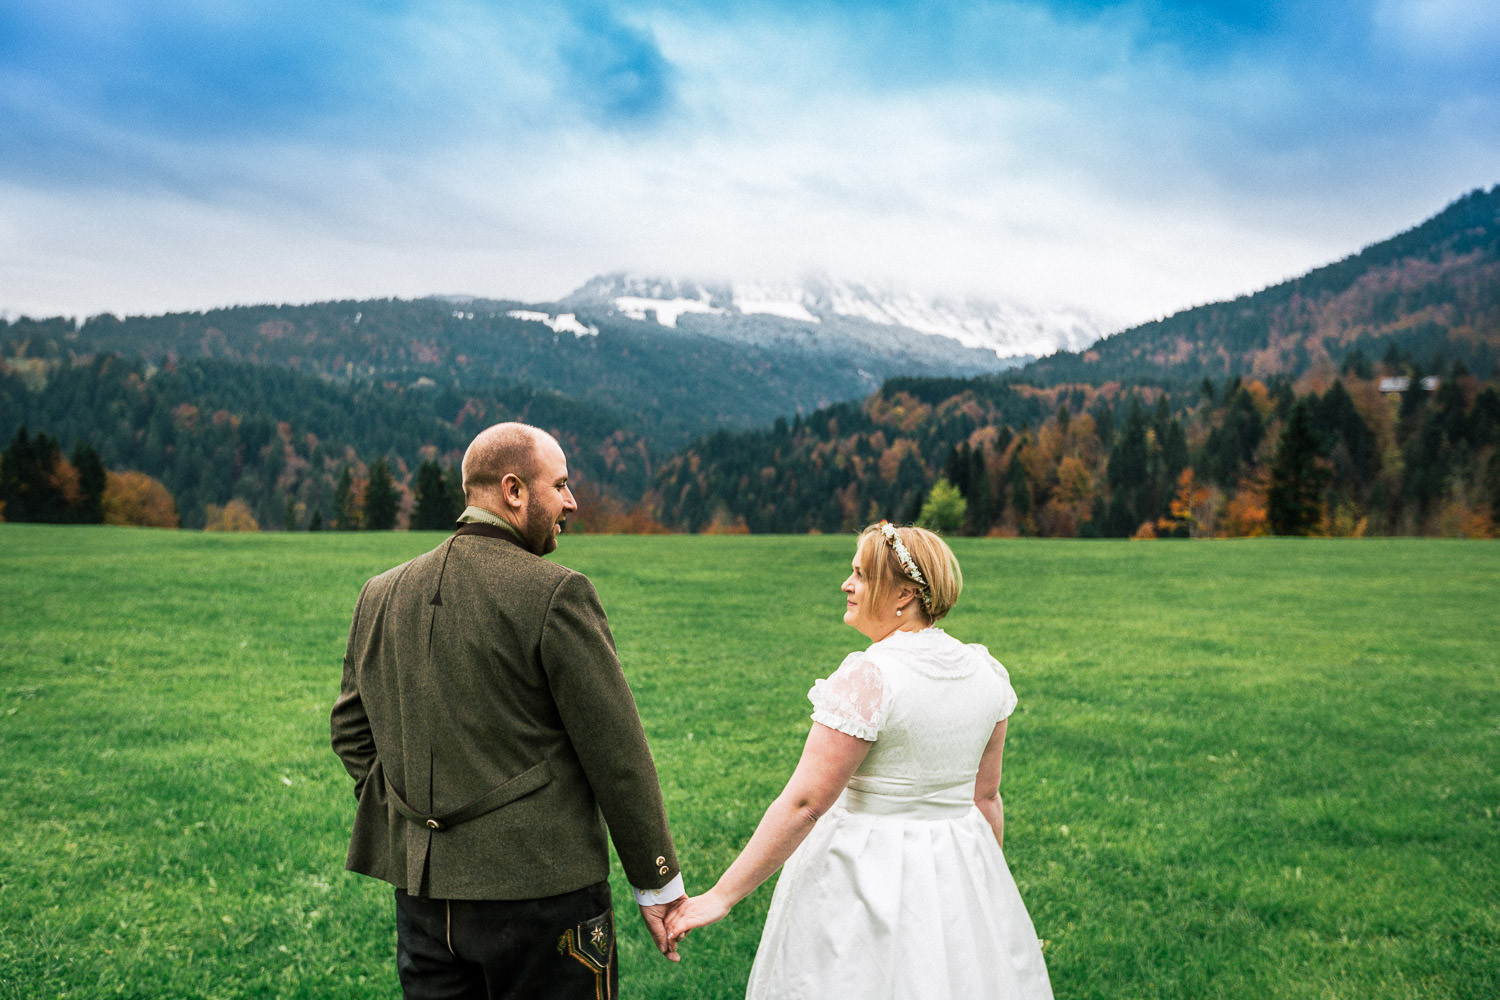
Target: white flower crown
(903, 556)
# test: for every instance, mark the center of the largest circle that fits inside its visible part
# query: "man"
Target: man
(488, 727)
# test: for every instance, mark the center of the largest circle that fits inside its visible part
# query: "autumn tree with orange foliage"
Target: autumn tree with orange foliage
(1191, 510)
(600, 514)
(233, 516)
(134, 498)
(724, 523)
(1245, 514)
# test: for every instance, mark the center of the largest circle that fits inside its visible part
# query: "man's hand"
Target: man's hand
(656, 922)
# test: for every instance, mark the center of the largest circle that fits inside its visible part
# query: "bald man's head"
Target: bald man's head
(503, 449)
(520, 473)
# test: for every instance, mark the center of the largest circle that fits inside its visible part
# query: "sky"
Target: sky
(1130, 159)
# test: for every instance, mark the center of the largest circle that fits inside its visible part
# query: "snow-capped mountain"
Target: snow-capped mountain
(821, 309)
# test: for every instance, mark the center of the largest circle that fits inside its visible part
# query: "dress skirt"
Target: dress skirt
(900, 900)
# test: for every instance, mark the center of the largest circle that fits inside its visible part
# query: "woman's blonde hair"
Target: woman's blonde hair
(937, 578)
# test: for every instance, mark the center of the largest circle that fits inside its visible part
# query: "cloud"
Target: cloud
(1133, 157)
(184, 70)
(615, 71)
(1466, 30)
(107, 93)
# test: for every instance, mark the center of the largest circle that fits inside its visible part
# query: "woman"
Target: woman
(899, 887)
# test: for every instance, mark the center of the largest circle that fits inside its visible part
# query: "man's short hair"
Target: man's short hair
(497, 451)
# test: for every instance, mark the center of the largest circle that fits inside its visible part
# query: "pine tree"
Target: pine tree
(1231, 446)
(981, 502)
(1492, 486)
(453, 477)
(382, 502)
(434, 509)
(16, 477)
(345, 513)
(1294, 503)
(956, 470)
(92, 479)
(1020, 485)
(1351, 447)
(1129, 476)
(34, 480)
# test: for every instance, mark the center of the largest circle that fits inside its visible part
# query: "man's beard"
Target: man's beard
(538, 532)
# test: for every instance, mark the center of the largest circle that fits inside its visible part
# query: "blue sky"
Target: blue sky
(1130, 158)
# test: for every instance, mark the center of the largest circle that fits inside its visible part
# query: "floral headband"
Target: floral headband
(903, 555)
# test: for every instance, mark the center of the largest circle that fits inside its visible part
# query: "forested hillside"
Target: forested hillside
(279, 441)
(1431, 292)
(1238, 457)
(673, 385)
(268, 405)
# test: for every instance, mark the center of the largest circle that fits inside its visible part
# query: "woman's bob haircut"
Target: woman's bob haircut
(885, 576)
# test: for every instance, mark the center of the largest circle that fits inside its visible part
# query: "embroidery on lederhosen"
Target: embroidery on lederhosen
(592, 943)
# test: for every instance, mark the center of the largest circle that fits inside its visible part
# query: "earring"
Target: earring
(898, 612)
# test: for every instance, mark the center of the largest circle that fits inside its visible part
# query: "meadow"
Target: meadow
(1264, 768)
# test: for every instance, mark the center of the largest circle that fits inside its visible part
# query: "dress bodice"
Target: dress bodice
(928, 702)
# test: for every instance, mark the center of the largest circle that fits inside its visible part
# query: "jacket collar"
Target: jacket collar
(485, 530)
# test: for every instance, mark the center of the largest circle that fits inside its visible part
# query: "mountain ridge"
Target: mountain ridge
(1432, 291)
(838, 309)
(672, 382)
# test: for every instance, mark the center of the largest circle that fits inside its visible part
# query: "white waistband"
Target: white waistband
(952, 802)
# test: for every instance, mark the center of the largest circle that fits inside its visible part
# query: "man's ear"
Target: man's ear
(513, 490)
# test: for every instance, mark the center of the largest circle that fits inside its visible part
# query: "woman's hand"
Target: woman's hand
(697, 911)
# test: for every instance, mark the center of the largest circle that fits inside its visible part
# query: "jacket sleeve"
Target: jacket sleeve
(599, 713)
(353, 739)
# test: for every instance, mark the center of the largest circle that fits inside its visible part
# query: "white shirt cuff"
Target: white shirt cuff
(650, 897)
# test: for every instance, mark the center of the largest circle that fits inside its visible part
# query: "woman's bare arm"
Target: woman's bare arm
(987, 783)
(828, 761)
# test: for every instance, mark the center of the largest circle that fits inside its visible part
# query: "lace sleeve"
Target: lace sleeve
(851, 699)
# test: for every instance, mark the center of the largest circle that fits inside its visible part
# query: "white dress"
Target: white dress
(900, 890)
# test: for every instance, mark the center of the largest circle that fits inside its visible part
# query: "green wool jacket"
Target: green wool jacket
(490, 732)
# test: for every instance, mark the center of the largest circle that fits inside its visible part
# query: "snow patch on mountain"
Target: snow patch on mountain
(762, 300)
(560, 323)
(664, 311)
(1006, 330)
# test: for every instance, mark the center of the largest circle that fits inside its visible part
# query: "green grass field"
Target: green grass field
(1266, 768)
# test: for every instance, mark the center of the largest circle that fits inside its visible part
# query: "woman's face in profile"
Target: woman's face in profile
(859, 611)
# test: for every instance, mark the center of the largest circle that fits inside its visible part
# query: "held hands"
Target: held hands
(656, 917)
(694, 911)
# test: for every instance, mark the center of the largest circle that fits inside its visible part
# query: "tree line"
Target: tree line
(1376, 449)
(41, 484)
(1349, 455)
(289, 450)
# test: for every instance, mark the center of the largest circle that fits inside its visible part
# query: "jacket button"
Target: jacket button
(664, 869)
(661, 861)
